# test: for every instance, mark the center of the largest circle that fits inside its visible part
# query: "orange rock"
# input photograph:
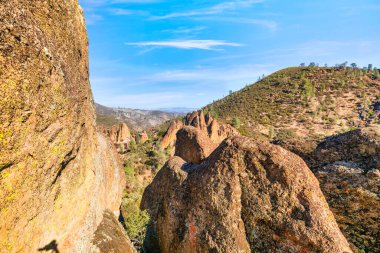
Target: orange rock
(57, 174)
(143, 137)
(247, 196)
(170, 136)
(206, 123)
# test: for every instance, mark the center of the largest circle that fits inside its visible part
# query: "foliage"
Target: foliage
(236, 123)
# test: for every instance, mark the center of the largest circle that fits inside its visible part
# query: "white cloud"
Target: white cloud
(186, 44)
(125, 12)
(185, 30)
(216, 9)
(268, 24)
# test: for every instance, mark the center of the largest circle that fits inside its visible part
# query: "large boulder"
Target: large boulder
(193, 145)
(57, 174)
(353, 196)
(170, 137)
(360, 146)
(247, 196)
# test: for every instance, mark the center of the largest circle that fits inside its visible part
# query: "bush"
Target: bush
(236, 123)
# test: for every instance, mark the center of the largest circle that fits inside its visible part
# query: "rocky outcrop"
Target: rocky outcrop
(205, 123)
(216, 132)
(170, 137)
(353, 196)
(360, 146)
(120, 136)
(57, 174)
(193, 145)
(248, 196)
(110, 236)
(143, 137)
(347, 167)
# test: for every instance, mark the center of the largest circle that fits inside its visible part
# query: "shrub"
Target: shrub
(236, 123)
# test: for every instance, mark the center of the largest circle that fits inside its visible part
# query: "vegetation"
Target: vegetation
(312, 99)
(142, 162)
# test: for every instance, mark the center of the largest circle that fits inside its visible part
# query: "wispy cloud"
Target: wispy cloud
(215, 9)
(125, 12)
(187, 44)
(185, 30)
(268, 24)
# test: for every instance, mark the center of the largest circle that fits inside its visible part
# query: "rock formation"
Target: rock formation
(359, 146)
(143, 137)
(193, 145)
(206, 123)
(247, 196)
(120, 136)
(347, 167)
(170, 137)
(57, 174)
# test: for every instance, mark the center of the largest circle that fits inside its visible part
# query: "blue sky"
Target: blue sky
(153, 54)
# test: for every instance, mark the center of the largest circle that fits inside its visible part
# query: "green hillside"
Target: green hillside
(304, 102)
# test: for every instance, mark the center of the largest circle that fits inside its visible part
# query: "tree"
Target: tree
(303, 64)
(236, 123)
(376, 73)
(344, 64)
(370, 67)
(231, 92)
(354, 65)
(312, 64)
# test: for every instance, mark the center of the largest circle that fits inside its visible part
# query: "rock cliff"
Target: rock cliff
(247, 196)
(57, 174)
(205, 123)
(347, 166)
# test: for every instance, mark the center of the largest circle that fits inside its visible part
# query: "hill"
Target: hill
(303, 102)
(137, 119)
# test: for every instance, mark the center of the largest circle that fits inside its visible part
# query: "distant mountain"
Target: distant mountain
(135, 118)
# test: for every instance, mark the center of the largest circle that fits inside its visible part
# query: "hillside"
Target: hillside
(137, 119)
(304, 102)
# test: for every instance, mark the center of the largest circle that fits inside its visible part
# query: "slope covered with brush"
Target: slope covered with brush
(303, 102)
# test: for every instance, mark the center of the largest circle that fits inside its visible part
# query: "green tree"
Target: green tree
(236, 123)
(370, 67)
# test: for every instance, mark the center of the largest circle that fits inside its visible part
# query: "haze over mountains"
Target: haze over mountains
(135, 118)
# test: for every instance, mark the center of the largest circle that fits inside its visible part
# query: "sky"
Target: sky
(152, 54)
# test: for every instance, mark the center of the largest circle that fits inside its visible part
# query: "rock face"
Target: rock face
(170, 136)
(57, 174)
(206, 124)
(347, 167)
(246, 197)
(353, 196)
(120, 136)
(359, 146)
(193, 145)
(110, 236)
(143, 137)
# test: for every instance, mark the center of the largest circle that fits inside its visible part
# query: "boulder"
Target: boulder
(110, 236)
(170, 137)
(360, 146)
(353, 196)
(193, 145)
(247, 196)
(57, 174)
